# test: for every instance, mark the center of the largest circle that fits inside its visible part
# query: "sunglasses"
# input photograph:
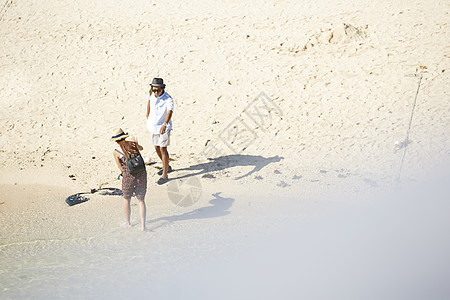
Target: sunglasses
(156, 90)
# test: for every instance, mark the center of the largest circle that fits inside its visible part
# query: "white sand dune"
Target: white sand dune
(274, 100)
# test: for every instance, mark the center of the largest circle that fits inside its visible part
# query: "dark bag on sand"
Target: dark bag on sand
(135, 164)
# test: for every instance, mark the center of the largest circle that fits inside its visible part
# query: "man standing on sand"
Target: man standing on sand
(159, 114)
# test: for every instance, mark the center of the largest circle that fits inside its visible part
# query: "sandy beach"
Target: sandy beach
(293, 121)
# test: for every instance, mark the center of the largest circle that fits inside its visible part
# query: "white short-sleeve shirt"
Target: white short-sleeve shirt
(159, 107)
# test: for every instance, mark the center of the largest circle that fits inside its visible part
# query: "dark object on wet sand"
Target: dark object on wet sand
(80, 198)
(76, 199)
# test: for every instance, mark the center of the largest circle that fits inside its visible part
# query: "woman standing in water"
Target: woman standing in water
(137, 183)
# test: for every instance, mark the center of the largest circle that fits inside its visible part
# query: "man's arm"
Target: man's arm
(148, 108)
(167, 120)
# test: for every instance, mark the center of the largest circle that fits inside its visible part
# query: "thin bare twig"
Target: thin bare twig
(409, 126)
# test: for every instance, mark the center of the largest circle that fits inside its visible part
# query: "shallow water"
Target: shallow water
(395, 247)
(112, 262)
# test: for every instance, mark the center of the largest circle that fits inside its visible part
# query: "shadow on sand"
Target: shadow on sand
(223, 162)
(219, 208)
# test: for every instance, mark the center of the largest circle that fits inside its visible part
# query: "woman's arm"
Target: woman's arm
(117, 159)
(135, 141)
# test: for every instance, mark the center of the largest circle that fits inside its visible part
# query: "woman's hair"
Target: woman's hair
(130, 148)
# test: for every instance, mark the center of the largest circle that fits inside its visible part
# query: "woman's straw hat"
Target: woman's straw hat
(119, 135)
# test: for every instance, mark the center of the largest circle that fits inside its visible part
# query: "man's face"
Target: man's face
(158, 91)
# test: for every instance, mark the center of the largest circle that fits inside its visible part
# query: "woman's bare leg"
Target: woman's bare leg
(127, 210)
(142, 213)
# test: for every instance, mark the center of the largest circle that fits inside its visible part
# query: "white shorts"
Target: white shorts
(162, 140)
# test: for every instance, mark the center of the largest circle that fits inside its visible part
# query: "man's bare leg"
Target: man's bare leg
(158, 151)
(165, 160)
